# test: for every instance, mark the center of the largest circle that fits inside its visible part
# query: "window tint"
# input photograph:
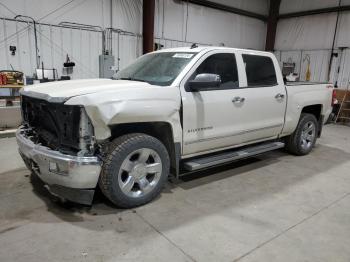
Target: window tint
(260, 70)
(223, 65)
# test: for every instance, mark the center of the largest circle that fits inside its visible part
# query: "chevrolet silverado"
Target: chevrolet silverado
(170, 112)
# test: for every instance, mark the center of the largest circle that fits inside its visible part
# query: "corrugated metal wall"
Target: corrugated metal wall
(179, 22)
(55, 42)
(312, 36)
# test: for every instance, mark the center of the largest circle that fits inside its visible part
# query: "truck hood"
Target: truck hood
(110, 102)
(61, 91)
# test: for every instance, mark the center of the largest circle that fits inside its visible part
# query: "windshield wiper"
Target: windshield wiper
(131, 79)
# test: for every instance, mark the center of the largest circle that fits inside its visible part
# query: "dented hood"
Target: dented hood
(61, 91)
(108, 102)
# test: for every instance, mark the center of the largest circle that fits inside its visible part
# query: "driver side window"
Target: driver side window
(224, 65)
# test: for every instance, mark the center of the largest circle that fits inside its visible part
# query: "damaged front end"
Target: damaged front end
(56, 142)
(61, 127)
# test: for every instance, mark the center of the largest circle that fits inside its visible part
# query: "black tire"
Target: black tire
(119, 151)
(294, 141)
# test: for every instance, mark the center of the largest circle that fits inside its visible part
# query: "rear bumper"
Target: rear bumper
(69, 177)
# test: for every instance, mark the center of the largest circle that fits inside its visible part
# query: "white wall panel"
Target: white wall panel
(319, 62)
(343, 36)
(174, 20)
(83, 47)
(308, 32)
(176, 24)
(127, 15)
(257, 6)
(126, 48)
(56, 11)
(288, 6)
(130, 49)
(158, 19)
(315, 33)
(23, 40)
(230, 29)
(191, 23)
(54, 44)
(344, 70)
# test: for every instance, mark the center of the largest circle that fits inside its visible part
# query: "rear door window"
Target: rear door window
(260, 71)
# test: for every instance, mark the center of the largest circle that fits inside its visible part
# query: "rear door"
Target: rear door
(263, 110)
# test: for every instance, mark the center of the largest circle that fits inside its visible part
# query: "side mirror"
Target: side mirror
(204, 81)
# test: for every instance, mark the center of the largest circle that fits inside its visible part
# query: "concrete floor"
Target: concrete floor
(276, 207)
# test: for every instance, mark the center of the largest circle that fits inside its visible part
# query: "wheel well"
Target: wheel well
(160, 130)
(314, 110)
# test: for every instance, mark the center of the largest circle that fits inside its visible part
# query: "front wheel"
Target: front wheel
(304, 137)
(135, 170)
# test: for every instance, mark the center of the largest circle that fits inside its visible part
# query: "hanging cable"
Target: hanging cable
(333, 43)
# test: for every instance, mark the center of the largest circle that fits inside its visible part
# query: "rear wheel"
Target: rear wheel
(304, 137)
(135, 171)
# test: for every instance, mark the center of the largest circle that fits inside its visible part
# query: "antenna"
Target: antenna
(194, 45)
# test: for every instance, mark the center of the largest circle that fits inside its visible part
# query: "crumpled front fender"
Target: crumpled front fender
(151, 104)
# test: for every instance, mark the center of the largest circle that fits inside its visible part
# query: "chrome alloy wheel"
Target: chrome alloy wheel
(140, 172)
(308, 135)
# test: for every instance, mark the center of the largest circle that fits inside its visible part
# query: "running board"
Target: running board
(213, 160)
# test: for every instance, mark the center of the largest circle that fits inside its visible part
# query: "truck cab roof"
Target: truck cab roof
(200, 49)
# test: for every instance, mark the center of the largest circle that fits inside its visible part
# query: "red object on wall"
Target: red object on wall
(3, 79)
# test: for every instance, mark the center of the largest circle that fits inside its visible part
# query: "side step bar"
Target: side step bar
(213, 160)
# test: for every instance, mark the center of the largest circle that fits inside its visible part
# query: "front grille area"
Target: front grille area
(55, 125)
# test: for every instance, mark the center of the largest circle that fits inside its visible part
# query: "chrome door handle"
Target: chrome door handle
(238, 99)
(279, 96)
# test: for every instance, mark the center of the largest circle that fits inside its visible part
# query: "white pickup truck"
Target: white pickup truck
(171, 111)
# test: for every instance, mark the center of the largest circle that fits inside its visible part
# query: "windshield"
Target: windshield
(156, 68)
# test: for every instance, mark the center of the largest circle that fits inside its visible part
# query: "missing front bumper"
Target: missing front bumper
(70, 177)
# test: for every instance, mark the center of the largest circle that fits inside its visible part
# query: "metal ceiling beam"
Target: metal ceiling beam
(316, 12)
(148, 25)
(227, 8)
(272, 24)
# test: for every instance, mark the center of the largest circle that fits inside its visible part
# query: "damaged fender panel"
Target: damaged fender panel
(144, 104)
